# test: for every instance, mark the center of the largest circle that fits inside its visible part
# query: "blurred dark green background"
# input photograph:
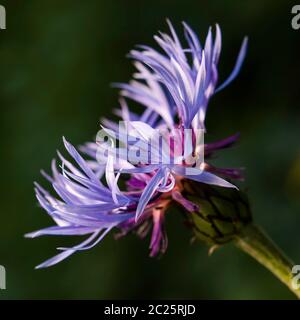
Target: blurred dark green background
(57, 60)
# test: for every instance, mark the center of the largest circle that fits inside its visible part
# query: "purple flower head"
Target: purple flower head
(159, 150)
(162, 164)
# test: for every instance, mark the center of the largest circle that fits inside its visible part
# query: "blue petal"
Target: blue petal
(81, 162)
(237, 67)
(65, 254)
(56, 259)
(217, 45)
(202, 176)
(149, 191)
(60, 231)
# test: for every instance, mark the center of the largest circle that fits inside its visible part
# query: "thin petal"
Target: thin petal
(202, 176)
(61, 231)
(237, 67)
(148, 192)
(56, 259)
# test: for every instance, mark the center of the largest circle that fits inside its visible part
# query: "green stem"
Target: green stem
(257, 244)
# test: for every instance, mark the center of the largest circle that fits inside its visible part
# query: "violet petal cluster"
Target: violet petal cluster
(174, 86)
